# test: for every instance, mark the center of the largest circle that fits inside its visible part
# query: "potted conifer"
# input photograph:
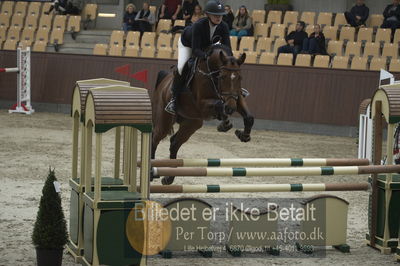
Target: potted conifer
(50, 230)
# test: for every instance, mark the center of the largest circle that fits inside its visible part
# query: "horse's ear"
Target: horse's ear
(241, 59)
(223, 58)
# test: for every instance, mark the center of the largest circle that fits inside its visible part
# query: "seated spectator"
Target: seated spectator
(392, 16)
(188, 9)
(358, 14)
(241, 26)
(170, 9)
(198, 14)
(315, 43)
(294, 40)
(129, 22)
(228, 17)
(59, 7)
(145, 19)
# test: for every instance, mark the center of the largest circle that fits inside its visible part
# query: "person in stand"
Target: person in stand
(170, 9)
(358, 14)
(145, 19)
(242, 23)
(392, 16)
(59, 6)
(198, 14)
(193, 42)
(294, 40)
(315, 43)
(188, 7)
(129, 22)
(228, 17)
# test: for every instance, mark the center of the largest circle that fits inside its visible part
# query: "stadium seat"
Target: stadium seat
(117, 38)
(164, 40)
(390, 50)
(10, 45)
(321, 61)
(28, 35)
(39, 46)
(251, 57)
(330, 32)
(335, 48)
(246, 44)
(234, 42)
(14, 33)
(45, 22)
(353, 49)
(34, 8)
(308, 18)
(74, 24)
(309, 29)
(132, 51)
(89, 12)
(57, 36)
(175, 55)
(148, 40)
(365, 35)
(60, 22)
(340, 20)
(115, 50)
(164, 26)
(20, 8)
(285, 60)
(258, 16)
(175, 42)
(291, 17)
(7, 8)
(340, 62)
(396, 38)
(324, 19)
(383, 35)
(347, 34)
(100, 49)
(164, 52)
(153, 9)
(42, 35)
(303, 60)
(264, 44)
(179, 22)
(277, 31)
(359, 63)
(394, 65)
(375, 20)
(31, 21)
(291, 28)
(148, 52)
(4, 20)
(377, 64)
(278, 43)
(3, 35)
(45, 8)
(274, 17)
(132, 39)
(261, 30)
(24, 44)
(267, 59)
(371, 49)
(17, 20)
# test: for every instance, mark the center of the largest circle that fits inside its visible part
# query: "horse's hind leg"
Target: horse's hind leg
(248, 121)
(186, 129)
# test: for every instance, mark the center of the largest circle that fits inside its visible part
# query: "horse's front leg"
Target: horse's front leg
(225, 125)
(248, 120)
(213, 108)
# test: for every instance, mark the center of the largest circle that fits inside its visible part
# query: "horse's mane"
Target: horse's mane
(219, 46)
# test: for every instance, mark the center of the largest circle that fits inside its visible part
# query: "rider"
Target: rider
(195, 40)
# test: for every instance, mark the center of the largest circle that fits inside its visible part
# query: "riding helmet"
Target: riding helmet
(215, 7)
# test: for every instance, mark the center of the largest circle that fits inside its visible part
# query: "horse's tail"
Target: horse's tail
(161, 75)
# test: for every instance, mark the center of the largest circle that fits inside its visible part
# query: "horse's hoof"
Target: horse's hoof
(224, 127)
(243, 137)
(167, 180)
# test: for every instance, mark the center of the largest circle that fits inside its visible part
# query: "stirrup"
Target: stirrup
(170, 108)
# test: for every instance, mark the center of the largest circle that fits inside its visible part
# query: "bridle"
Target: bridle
(223, 96)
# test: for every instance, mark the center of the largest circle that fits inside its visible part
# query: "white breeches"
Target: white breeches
(184, 53)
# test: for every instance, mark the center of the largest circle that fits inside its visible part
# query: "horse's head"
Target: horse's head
(228, 77)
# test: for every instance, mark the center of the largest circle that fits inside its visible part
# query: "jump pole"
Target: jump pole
(23, 71)
(285, 171)
(257, 162)
(229, 188)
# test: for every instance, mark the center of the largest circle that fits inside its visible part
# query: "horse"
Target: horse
(215, 93)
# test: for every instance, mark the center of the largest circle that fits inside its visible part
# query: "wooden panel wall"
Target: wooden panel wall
(309, 95)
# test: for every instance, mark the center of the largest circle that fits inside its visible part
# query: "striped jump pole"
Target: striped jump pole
(285, 171)
(257, 162)
(229, 188)
(10, 69)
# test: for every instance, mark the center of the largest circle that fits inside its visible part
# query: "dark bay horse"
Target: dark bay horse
(215, 93)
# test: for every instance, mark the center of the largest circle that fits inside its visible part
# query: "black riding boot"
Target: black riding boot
(176, 87)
